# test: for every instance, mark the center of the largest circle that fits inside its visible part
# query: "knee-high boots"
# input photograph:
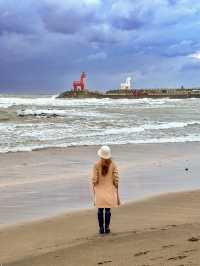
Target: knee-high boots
(101, 220)
(107, 220)
(104, 228)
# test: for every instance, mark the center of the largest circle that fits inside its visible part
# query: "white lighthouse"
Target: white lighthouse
(127, 84)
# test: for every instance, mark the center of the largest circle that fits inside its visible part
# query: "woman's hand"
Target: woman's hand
(118, 201)
(118, 198)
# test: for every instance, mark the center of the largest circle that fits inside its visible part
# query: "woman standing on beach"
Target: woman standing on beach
(105, 183)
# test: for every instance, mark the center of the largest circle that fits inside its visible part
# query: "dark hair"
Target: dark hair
(105, 163)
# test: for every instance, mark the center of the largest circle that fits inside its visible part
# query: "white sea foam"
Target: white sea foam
(95, 121)
(6, 102)
(171, 125)
(189, 138)
(129, 130)
(32, 112)
(52, 135)
(54, 96)
(57, 112)
(95, 129)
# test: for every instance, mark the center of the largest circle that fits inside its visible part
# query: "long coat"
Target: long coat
(105, 187)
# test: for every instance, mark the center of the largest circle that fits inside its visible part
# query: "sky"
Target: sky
(44, 45)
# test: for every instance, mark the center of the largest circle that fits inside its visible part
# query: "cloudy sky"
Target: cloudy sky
(45, 44)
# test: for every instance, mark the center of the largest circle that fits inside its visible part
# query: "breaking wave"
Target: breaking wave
(190, 138)
(30, 123)
(54, 113)
(6, 102)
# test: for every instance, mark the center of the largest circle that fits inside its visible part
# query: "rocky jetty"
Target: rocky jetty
(134, 94)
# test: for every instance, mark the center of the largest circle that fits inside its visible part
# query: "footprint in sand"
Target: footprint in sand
(189, 250)
(180, 257)
(104, 262)
(141, 253)
(193, 239)
(168, 246)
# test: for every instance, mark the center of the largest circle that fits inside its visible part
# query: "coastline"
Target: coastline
(50, 182)
(152, 227)
(153, 231)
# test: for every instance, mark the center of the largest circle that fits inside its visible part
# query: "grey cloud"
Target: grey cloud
(180, 48)
(66, 21)
(45, 45)
(102, 38)
(18, 19)
(125, 23)
(13, 23)
(193, 66)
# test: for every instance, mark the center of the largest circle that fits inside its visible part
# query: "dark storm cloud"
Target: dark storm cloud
(13, 23)
(66, 21)
(45, 44)
(18, 18)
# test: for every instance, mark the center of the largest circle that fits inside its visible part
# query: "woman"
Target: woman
(105, 186)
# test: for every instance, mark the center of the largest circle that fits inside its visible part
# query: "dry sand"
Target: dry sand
(162, 230)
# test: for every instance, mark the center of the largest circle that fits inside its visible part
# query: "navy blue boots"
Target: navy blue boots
(107, 220)
(101, 221)
(104, 228)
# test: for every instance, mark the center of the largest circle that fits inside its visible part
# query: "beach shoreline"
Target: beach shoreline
(160, 191)
(49, 182)
(150, 231)
(90, 209)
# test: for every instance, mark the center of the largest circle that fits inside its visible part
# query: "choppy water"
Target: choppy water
(36, 122)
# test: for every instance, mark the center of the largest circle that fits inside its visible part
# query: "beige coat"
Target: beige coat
(105, 187)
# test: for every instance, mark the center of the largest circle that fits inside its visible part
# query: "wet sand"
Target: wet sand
(45, 183)
(159, 230)
(162, 230)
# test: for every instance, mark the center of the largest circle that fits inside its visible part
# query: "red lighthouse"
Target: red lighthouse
(79, 85)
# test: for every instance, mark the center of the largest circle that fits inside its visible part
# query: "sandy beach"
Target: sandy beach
(79, 75)
(47, 216)
(162, 230)
(45, 183)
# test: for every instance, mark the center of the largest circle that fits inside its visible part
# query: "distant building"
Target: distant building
(127, 84)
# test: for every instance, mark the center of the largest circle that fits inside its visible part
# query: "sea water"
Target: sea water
(36, 122)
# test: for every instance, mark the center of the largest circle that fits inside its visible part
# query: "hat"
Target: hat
(104, 152)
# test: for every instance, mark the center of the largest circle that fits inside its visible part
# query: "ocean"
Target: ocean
(54, 181)
(35, 122)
